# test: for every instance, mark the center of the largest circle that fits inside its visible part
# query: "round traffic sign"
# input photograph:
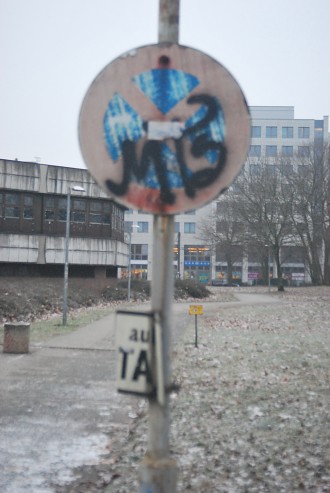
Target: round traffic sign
(164, 129)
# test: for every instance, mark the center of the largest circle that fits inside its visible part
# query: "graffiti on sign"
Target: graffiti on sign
(161, 134)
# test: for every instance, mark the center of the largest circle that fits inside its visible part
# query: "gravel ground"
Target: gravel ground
(252, 413)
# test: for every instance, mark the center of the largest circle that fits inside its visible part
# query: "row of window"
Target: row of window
(17, 205)
(193, 255)
(137, 227)
(97, 212)
(272, 132)
(13, 205)
(143, 227)
(199, 256)
(189, 213)
(273, 151)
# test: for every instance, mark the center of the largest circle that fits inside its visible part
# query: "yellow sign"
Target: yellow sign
(196, 310)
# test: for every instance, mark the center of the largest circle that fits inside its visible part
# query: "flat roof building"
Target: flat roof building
(33, 208)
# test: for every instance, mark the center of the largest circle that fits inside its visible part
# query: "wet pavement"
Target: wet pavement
(59, 407)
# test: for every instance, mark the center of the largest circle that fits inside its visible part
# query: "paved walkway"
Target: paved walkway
(59, 409)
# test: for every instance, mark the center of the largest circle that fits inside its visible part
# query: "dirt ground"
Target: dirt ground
(253, 410)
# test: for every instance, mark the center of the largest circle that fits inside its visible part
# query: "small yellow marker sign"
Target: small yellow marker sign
(196, 310)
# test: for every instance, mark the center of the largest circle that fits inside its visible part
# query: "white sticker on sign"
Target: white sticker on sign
(165, 130)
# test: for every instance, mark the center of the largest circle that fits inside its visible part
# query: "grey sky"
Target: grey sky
(51, 50)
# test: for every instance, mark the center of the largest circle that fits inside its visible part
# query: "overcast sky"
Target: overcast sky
(51, 50)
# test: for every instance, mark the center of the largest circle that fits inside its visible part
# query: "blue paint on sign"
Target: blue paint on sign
(121, 122)
(215, 130)
(171, 164)
(160, 167)
(165, 87)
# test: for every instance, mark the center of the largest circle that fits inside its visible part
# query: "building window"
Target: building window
(197, 262)
(16, 206)
(287, 151)
(177, 227)
(255, 151)
(303, 170)
(95, 213)
(286, 169)
(28, 207)
(255, 131)
(139, 252)
(128, 226)
(143, 227)
(190, 228)
(303, 132)
(255, 169)
(99, 212)
(11, 206)
(61, 214)
(271, 170)
(49, 208)
(271, 132)
(117, 215)
(303, 151)
(318, 130)
(287, 132)
(271, 151)
(78, 214)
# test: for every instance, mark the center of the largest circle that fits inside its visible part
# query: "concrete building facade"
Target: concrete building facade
(33, 207)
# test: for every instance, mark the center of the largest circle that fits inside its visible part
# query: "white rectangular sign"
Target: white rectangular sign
(135, 349)
(298, 276)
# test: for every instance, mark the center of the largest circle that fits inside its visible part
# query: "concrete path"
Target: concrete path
(59, 409)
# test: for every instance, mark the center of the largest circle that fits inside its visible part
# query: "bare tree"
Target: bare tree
(265, 209)
(282, 208)
(309, 186)
(224, 233)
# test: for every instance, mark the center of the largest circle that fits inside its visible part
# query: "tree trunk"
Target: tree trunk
(280, 285)
(229, 270)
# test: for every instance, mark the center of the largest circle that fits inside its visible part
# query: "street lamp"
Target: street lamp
(75, 188)
(179, 256)
(268, 248)
(129, 270)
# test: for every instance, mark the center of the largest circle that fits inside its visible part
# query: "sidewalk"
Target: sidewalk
(61, 418)
(60, 410)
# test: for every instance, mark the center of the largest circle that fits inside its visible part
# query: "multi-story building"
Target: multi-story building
(192, 258)
(274, 132)
(33, 218)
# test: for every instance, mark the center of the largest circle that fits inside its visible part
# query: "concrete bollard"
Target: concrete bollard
(16, 337)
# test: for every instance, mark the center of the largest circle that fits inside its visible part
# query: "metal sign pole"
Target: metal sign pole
(158, 472)
(165, 158)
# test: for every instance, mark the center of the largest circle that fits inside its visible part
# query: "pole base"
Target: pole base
(157, 475)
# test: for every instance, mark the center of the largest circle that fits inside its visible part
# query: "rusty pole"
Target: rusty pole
(158, 472)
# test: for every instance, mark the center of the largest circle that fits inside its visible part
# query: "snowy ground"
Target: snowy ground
(252, 413)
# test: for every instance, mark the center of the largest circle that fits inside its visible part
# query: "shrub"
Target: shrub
(190, 289)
